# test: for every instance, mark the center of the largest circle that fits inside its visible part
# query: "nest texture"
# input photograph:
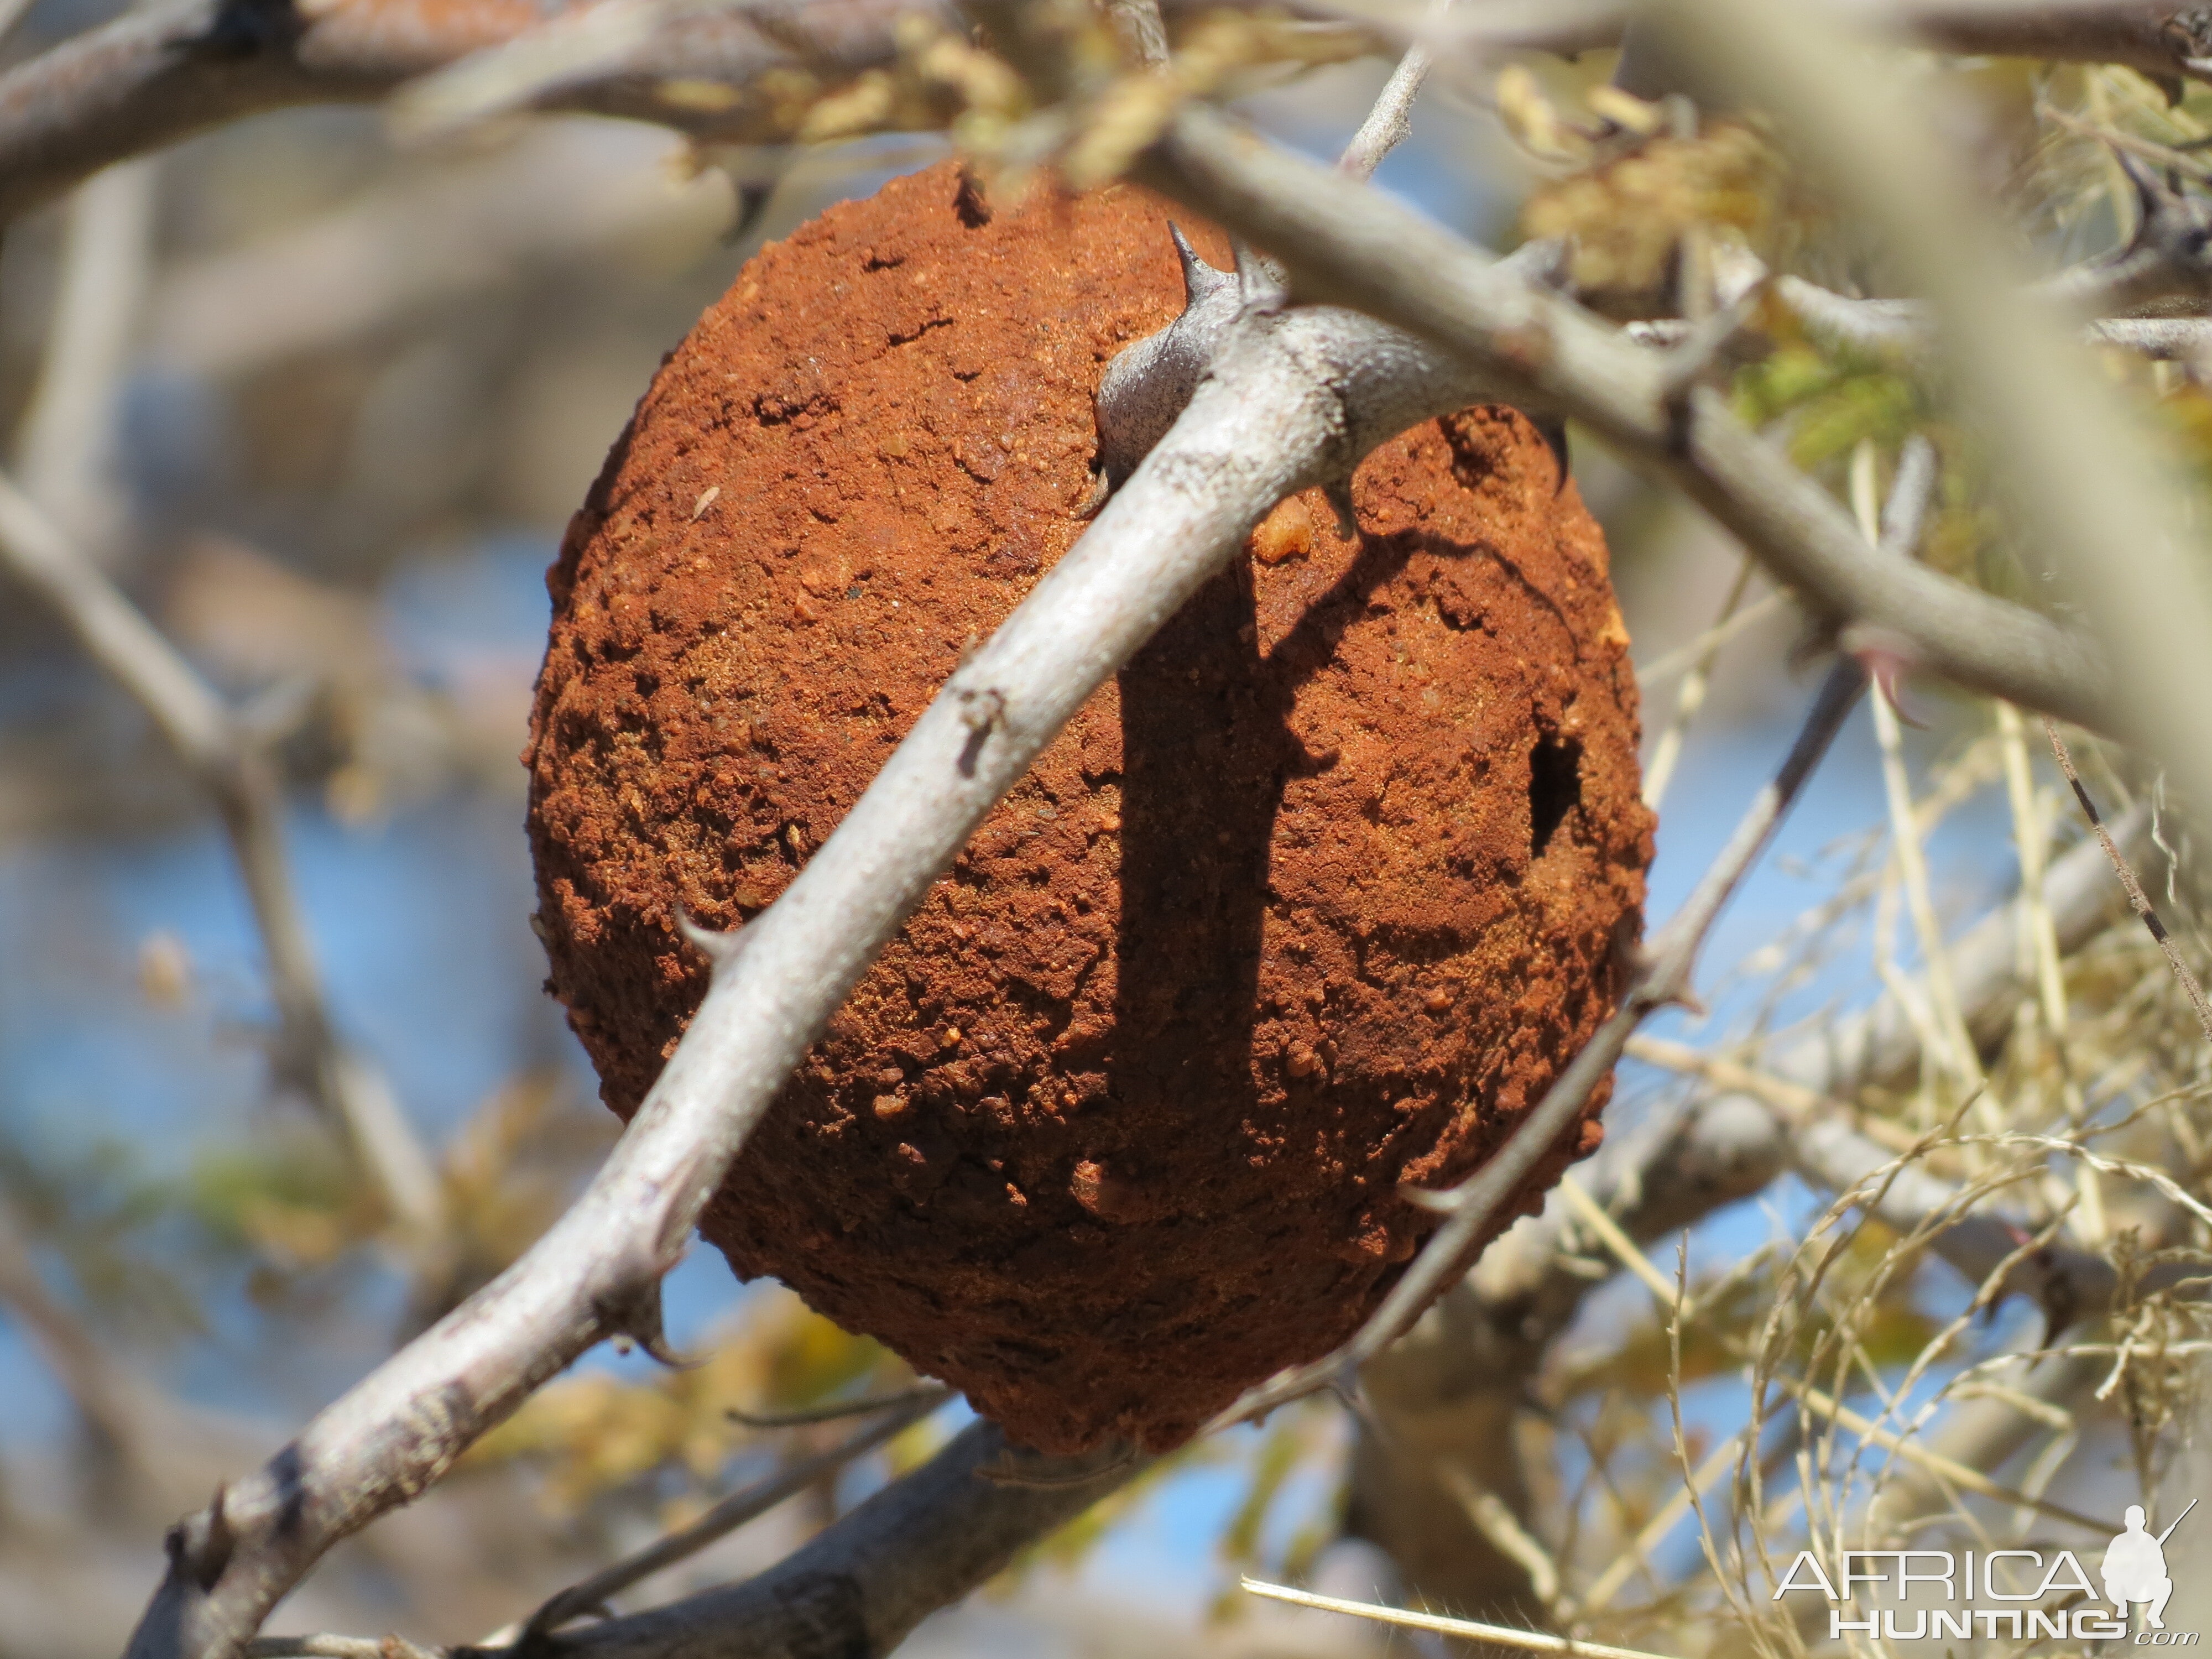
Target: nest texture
(1314, 901)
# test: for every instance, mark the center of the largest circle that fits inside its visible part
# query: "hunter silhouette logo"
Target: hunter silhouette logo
(2135, 1566)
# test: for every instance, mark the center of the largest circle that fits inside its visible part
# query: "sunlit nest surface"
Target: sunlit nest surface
(1312, 904)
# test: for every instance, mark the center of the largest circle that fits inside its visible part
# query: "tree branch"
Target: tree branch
(226, 759)
(69, 1348)
(67, 442)
(158, 74)
(1346, 244)
(1389, 123)
(865, 1582)
(2161, 40)
(2168, 44)
(727, 1517)
(1469, 1361)
(2068, 464)
(1294, 398)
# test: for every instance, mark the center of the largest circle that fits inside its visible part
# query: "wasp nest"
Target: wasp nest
(1310, 906)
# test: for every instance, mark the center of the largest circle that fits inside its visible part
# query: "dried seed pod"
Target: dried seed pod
(1313, 903)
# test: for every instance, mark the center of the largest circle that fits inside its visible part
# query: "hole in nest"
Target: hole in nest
(975, 212)
(1555, 789)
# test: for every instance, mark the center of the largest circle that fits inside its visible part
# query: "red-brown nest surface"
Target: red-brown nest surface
(1310, 906)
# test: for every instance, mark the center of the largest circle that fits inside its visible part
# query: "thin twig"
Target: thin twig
(1138, 22)
(1945, 1468)
(1690, 698)
(1504, 1635)
(68, 1347)
(1666, 979)
(1918, 468)
(66, 453)
(1389, 123)
(1300, 379)
(1683, 657)
(1625, 1250)
(2136, 896)
(1354, 246)
(224, 758)
(2039, 945)
(1624, 1566)
(1494, 1519)
(1905, 328)
(2068, 462)
(726, 1516)
(839, 1410)
(1791, 1101)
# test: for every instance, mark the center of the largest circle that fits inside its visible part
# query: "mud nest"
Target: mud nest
(1314, 903)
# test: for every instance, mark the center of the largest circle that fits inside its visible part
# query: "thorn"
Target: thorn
(1886, 677)
(635, 1318)
(1338, 497)
(1352, 1395)
(1545, 262)
(1199, 279)
(1552, 429)
(1427, 1198)
(982, 711)
(1887, 658)
(752, 202)
(1692, 361)
(2169, 221)
(1259, 285)
(205, 1557)
(719, 949)
(2149, 196)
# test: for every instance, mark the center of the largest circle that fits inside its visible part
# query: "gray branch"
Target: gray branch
(226, 759)
(863, 1583)
(160, 74)
(2069, 465)
(1291, 398)
(1344, 244)
(1732, 1144)
(1295, 397)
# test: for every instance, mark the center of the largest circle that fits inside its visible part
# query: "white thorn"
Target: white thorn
(720, 949)
(1199, 279)
(1259, 285)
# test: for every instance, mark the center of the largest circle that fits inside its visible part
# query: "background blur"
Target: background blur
(322, 404)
